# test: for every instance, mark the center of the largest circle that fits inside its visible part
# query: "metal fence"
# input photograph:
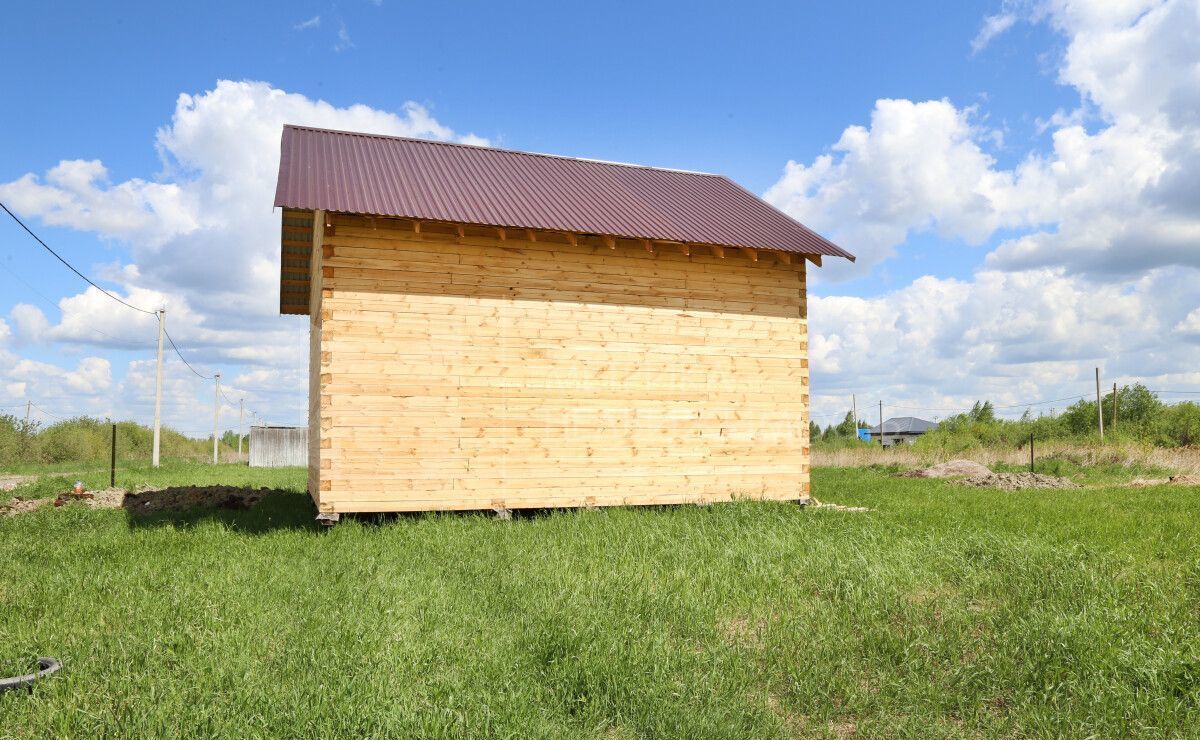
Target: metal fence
(277, 447)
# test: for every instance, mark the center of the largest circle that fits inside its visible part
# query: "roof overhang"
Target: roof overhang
(501, 192)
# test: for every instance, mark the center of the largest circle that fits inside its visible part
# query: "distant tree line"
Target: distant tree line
(88, 440)
(1141, 416)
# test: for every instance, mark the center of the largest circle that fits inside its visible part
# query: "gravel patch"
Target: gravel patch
(1018, 481)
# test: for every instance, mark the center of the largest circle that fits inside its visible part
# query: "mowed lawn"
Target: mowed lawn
(946, 611)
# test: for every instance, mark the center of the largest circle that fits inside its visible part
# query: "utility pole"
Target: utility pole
(1114, 414)
(881, 444)
(241, 412)
(216, 412)
(28, 406)
(162, 319)
(854, 413)
(1099, 406)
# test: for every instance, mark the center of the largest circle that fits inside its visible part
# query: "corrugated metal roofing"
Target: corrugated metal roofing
(413, 178)
(905, 425)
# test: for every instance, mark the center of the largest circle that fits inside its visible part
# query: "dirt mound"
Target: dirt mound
(179, 498)
(949, 469)
(109, 498)
(1019, 481)
(182, 498)
(22, 506)
(1184, 480)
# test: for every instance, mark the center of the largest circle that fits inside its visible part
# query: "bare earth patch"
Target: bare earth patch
(1018, 481)
(974, 474)
(948, 469)
(9, 482)
(177, 498)
(182, 498)
(22, 506)
(1174, 480)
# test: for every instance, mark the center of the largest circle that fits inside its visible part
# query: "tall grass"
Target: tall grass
(1137, 458)
(1141, 419)
(84, 439)
(944, 612)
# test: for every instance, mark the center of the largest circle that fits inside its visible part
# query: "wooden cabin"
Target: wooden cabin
(494, 329)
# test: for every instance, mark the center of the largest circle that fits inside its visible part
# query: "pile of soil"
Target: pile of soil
(1018, 481)
(950, 469)
(22, 506)
(179, 498)
(182, 498)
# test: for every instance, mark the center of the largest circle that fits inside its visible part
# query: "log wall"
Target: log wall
(469, 372)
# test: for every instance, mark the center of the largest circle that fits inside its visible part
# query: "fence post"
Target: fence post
(112, 464)
(1114, 414)
(1031, 452)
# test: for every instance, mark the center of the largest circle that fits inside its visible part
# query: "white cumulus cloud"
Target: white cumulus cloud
(202, 236)
(1102, 267)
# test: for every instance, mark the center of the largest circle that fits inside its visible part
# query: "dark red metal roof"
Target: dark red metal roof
(414, 178)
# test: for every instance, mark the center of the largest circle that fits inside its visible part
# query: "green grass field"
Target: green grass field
(946, 611)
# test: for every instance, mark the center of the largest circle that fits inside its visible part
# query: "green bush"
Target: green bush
(15, 436)
(89, 440)
(1142, 418)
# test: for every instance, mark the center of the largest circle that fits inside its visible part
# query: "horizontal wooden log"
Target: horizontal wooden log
(460, 370)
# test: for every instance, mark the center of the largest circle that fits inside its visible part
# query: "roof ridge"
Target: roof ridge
(419, 140)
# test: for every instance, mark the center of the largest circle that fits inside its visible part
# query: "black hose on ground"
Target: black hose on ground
(46, 666)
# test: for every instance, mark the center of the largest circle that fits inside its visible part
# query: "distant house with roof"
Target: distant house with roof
(901, 430)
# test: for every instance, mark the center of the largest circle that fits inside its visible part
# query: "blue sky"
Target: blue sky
(711, 86)
(992, 201)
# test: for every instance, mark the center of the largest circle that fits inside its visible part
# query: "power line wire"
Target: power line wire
(1006, 406)
(92, 283)
(49, 413)
(51, 303)
(68, 264)
(181, 358)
